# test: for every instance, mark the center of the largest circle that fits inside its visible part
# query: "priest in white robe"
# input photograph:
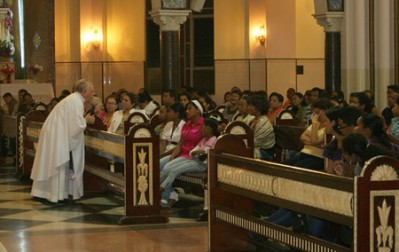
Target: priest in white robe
(62, 138)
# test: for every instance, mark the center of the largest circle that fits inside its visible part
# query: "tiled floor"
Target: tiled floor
(90, 224)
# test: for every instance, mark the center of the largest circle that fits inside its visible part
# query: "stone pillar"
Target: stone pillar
(360, 45)
(169, 22)
(383, 50)
(331, 22)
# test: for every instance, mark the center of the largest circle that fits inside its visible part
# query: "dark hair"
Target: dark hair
(356, 143)
(8, 94)
(236, 91)
(363, 100)
(349, 115)
(320, 92)
(260, 103)
(295, 109)
(178, 108)
(65, 92)
(279, 96)
(333, 115)
(113, 96)
(132, 97)
(171, 92)
(27, 94)
(225, 94)
(376, 125)
(394, 88)
(144, 97)
(209, 101)
(323, 104)
(211, 122)
(184, 94)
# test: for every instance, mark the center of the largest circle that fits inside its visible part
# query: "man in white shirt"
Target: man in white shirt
(61, 142)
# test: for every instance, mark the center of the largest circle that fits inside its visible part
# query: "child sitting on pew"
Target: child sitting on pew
(197, 163)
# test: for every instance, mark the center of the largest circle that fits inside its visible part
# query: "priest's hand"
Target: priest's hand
(89, 119)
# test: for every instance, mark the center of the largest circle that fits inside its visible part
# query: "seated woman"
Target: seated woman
(190, 137)
(146, 103)
(311, 156)
(363, 102)
(98, 108)
(298, 107)
(196, 163)
(172, 131)
(111, 105)
(276, 102)
(264, 138)
(357, 150)
(393, 130)
(128, 102)
(162, 120)
(244, 115)
(207, 104)
(232, 106)
(372, 127)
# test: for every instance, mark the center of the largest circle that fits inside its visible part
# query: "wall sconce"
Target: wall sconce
(96, 40)
(260, 35)
(92, 39)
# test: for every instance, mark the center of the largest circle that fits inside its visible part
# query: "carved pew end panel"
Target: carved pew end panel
(377, 205)
(142, 177)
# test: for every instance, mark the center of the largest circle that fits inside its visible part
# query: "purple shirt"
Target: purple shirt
(191, 137)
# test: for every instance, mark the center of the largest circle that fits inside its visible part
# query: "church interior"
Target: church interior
(213, 47)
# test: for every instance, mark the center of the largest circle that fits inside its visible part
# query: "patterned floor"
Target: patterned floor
(20, 212)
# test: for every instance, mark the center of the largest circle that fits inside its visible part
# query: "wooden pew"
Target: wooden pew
(138, 151)
(287, 138)
(237, 182)
(199, 180)
(286, 117)
(133, 119)
(28, 132)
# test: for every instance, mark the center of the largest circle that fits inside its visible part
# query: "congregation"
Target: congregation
(339, 136)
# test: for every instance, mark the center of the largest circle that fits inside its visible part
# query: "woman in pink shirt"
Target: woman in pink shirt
(190, 136)
(197, 161)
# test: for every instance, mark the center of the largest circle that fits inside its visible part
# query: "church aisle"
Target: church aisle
(89, 224)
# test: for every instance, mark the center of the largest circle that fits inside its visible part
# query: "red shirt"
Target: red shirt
(191, 137)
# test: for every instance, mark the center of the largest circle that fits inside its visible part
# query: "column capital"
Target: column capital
(169, 20)
(330, 21)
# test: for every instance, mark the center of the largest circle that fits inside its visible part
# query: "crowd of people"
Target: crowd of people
(339, 136)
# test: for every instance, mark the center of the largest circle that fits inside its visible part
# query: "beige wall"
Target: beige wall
(293, 37)
(122, 25)
(231, 29)
(281, 38)
(309, 35)
(67, 26)
(125, 30)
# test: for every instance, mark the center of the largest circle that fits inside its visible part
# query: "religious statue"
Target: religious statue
(7, 31)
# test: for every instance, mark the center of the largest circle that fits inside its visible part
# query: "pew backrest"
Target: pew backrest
(363, 202)
(286, 117)
(133, 119)
(242, 131)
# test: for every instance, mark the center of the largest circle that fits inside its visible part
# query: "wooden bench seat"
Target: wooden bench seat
(138, 152)
(236, 183)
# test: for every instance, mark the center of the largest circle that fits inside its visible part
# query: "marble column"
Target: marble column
(331, 22)
(383, 50)
(169, 22)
